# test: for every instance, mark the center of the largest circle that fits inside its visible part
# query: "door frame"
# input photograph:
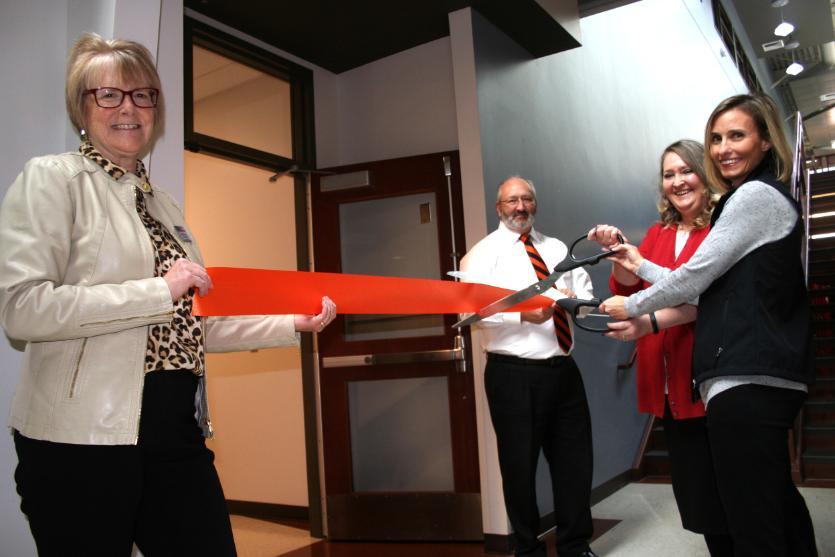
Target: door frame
(304, 157)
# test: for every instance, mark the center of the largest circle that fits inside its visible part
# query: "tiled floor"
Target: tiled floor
(640, 520)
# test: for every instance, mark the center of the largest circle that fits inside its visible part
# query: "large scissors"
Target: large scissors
(572, 307)
(569, 263)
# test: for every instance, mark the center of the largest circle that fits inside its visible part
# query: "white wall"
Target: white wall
(166, 161)
(32, 115)
(493, 516)
(398, 106)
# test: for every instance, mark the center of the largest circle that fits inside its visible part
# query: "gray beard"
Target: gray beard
(518, 224)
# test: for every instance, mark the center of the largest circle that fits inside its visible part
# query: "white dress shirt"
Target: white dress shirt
(501, 260)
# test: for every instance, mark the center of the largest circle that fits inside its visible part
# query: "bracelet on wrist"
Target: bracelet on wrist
(654, 323)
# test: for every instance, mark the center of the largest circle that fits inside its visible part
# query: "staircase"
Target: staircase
(654, 466)
(817, 447)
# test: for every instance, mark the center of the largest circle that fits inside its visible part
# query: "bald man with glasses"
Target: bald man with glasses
(534, 389)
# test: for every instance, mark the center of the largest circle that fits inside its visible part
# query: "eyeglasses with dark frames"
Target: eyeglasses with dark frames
(113, 97)
(513, 201)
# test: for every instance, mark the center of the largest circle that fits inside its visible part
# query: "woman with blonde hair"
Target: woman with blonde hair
(98, 271)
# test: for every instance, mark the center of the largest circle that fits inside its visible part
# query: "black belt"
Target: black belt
(516, 360)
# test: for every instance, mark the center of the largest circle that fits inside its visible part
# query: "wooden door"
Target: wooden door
(398, 410)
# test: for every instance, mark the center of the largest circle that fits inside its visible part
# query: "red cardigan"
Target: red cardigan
(673, 345)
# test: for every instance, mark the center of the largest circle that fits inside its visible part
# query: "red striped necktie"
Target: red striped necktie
(560, 318)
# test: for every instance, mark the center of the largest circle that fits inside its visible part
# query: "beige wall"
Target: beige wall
(243, 220)
(253, 113)
(397, 106)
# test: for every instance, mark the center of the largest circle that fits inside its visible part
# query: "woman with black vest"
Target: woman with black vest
(752, 354)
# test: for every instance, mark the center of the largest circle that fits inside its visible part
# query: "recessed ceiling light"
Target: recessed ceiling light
(778, 3)
(791, 45)
(784, 29)
(794, 68)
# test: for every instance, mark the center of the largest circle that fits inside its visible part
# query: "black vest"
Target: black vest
(755, 319)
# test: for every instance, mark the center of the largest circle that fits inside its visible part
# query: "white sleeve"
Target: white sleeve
(579, 281)
(250, 332)
(477, 267)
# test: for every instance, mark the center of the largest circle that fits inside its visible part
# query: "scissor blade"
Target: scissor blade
(512, 299)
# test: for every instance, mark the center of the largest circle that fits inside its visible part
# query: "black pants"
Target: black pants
(694, 482)
(162, 494)
(542, 407)
(747, 428)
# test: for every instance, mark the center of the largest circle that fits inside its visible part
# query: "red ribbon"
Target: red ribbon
(238, 291)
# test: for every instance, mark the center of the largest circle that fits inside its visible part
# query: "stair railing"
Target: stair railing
(800, 191)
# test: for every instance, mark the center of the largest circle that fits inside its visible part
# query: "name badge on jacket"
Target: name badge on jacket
(182, 233)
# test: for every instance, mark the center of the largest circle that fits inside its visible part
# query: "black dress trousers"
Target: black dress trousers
(162, 494)
(748, 430)
(542, 406)
(693, 479)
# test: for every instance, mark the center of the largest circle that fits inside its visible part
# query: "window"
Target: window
(734, 46)
(231, 85)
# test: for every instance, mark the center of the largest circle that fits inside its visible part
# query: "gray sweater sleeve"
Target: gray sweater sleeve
(755, 215)
(652, 272)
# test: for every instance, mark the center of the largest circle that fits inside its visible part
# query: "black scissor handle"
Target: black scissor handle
(572, 261)
(572, 307)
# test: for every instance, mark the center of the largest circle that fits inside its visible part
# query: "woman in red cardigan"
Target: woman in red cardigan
(664, 356)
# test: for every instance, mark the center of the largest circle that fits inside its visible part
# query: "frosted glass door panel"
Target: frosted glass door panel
(400, 435)
(392, 237)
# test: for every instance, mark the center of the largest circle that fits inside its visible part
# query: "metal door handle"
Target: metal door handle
(456, 354)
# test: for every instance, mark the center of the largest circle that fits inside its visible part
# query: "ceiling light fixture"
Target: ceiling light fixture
(784, 29)
(794, 68)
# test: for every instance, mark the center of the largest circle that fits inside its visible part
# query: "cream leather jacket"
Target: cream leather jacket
(77, 286)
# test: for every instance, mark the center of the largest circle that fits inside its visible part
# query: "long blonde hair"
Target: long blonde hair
(763, 110)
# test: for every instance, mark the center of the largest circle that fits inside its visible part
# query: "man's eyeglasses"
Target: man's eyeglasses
(111, 97)
(513, 201)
